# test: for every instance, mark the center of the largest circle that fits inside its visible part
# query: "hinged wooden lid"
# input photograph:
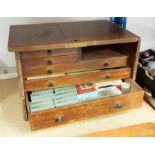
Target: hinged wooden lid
(66, 35)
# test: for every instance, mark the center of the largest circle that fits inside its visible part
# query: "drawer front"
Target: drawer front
(69, 63)
(48, 53)
(86, 110)
(40, 66)
(69, 80)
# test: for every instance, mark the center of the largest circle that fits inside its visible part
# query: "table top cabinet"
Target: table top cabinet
(56, 55)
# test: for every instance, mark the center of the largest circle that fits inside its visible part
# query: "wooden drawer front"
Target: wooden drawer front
(85, 110)
(40, 67)
(48, 53)
(69, 80)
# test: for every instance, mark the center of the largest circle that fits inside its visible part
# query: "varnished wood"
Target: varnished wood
(20, 77)
(69, 80)
(74, 47)
(48, 53)
(88, 109)
(30, 69)
(67, 35)
(132, 49)
(91, 58)
(138, 130)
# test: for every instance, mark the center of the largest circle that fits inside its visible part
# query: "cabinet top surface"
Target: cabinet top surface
(66, 35)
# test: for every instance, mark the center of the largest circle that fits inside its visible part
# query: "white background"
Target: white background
(96, 8)
(144, 27)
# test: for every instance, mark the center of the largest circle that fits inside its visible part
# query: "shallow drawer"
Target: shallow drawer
(76, 79)
(41, 66)
(47, 53)
(69, 63)
(85, 110)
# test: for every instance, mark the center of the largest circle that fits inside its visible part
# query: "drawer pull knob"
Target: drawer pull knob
(107, 77)
(50, 84)
(49, 52)
(49, 71)
(49, 62)
(59, 119)
(119, 106)
(106, 64)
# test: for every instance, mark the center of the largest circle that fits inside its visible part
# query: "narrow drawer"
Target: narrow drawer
(47, 53)
(69, 63)
(76, 79)
(85, 110)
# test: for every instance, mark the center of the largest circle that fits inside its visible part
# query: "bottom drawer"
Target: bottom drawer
(85, 110)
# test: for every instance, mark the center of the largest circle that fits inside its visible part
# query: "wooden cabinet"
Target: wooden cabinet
(65, 54)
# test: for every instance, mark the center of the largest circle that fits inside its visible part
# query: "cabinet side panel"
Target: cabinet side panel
(21, 87)
(132, 50)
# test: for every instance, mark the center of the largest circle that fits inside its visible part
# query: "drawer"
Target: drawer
(76, 79)
(40, 66)
(64, 64)
(47, 53)
(85, 110)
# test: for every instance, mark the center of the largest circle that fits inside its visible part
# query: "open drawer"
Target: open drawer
(89, 109)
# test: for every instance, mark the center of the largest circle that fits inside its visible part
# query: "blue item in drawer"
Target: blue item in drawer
(63, 96)
(40, 98)
(87, 96)
(40, 108)
(42, 92)
(65, 89)
(66, 101)
(37, 106)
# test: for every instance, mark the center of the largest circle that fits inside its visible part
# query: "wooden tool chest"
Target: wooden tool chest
(67, 54)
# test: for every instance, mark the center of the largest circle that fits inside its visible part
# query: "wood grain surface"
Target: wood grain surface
(69, 80)
(21, 85)
(48, 50)
(91, 58)
(66, 35)
(40, 67)
(138, 130)
(85, 110)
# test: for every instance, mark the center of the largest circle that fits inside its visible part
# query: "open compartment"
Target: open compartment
(87, 109)
(101, 52)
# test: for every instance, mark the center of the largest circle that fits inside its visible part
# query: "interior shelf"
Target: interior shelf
(99, 52)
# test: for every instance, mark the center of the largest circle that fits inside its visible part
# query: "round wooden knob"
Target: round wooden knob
(49, 52)
(49, 71)
(59, 119)
(107, 77)
(49, 62)
(119, 106)
(106, 64)
(50, 84)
